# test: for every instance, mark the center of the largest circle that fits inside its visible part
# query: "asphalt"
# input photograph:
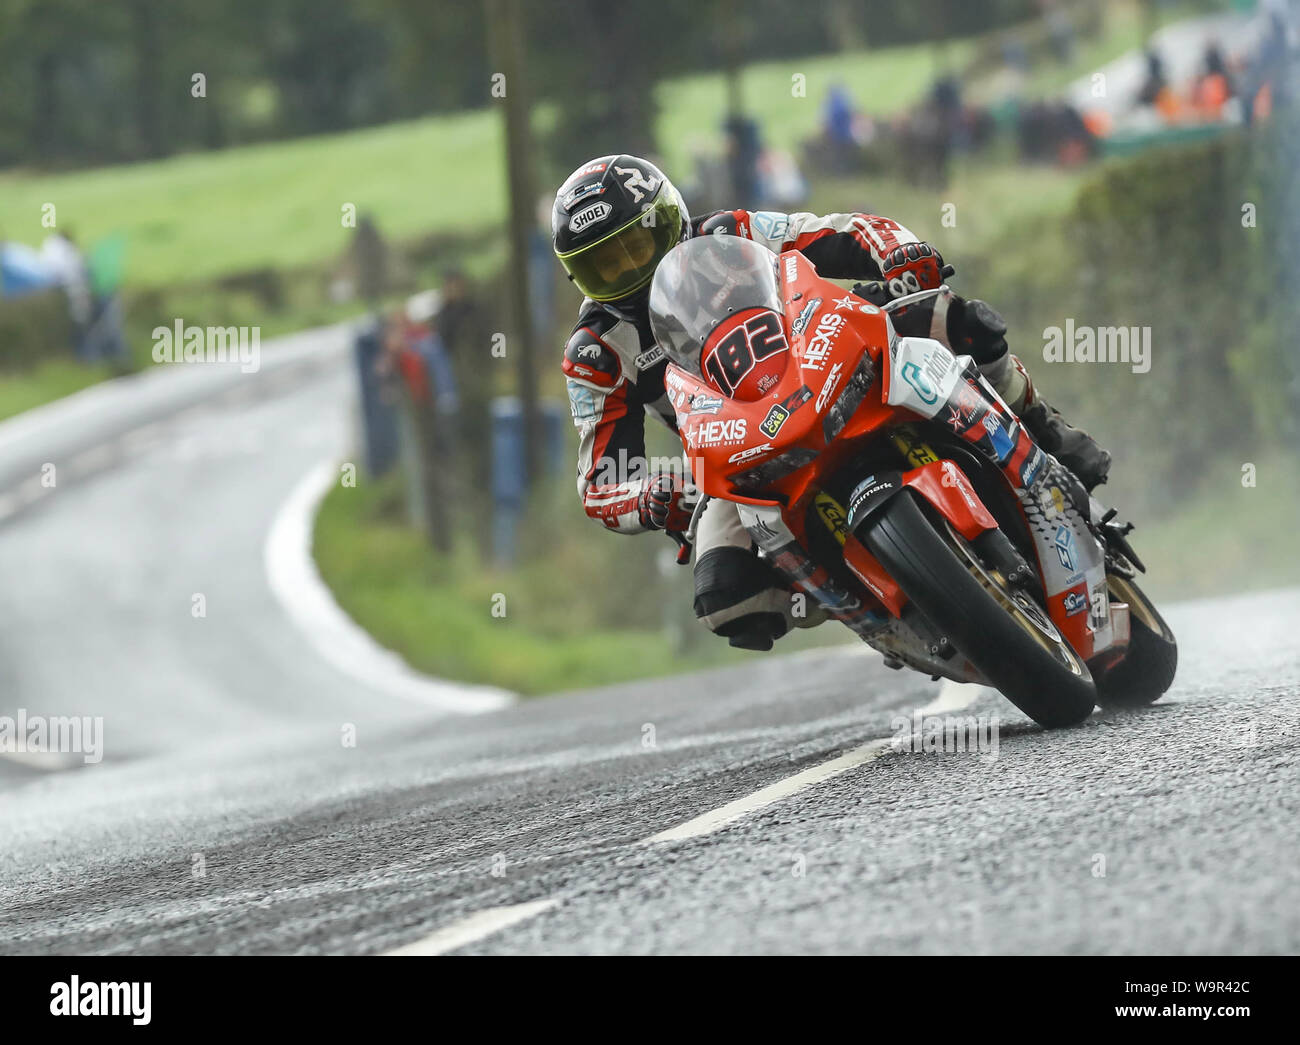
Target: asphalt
(228, 816)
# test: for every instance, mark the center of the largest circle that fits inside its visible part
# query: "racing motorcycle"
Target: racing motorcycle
(883, 477)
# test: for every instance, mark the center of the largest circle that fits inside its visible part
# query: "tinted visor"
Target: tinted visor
(624, 261)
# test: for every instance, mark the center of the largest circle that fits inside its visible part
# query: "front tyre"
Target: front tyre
(1005, 634)
(1148, 667)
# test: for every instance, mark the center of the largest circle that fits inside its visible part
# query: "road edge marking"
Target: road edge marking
(476, 927)
(306, 599)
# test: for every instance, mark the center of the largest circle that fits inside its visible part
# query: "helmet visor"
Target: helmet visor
(624, 261)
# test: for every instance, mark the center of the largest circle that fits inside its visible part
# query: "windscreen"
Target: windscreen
(702, 282)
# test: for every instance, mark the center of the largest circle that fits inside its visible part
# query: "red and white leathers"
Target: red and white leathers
(615, 372)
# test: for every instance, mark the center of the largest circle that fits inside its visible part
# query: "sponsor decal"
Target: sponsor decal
(968, 404)
(801, 321)
(775, 418)
(675, 379)
(1075, 602)
(832, 382)
(769, 224)
(717, 433)
(847, 301)
(598, 211)
(583, 371)
(823, 339)
(753, 451)
(869, 309)
(871, 488)
(919, 454)
(649, 357)
(766, 382)
(702, 404)
(930, 373)
(1032, 466)
(1065, 547)
(913, 376)
(594, 188)
(999, 437)
(832, 515)
(589, 352)
(797, 398)
(791, 269)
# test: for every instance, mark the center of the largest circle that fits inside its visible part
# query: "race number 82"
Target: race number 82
(735, 355)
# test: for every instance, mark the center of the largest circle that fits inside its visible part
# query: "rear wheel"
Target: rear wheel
(1148, 667)
(1004, 633)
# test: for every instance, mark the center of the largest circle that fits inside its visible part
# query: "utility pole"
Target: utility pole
(505, 36)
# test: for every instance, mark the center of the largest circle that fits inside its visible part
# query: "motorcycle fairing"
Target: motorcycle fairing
(926, 378)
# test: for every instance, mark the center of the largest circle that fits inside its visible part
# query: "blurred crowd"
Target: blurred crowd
(87, 286)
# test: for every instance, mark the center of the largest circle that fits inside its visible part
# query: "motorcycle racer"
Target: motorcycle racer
(613, 221)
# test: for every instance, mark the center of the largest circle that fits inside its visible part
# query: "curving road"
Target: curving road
(750, 810)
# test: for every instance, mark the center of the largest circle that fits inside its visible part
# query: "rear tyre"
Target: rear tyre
(1005, 634)
(1148, 667)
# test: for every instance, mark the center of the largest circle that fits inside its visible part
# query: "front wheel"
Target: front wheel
(1004, 633)
(1148, 667)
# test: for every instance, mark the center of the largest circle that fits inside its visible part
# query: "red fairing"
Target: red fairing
(946, 487)
(746, 355)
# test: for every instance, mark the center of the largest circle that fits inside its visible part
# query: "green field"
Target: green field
(547, 632)
(196, 217)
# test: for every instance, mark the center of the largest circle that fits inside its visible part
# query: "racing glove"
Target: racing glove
(912, 267)
(666, 503)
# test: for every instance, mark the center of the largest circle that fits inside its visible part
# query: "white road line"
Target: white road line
(291, 573)
(952, 696)
(474, 928)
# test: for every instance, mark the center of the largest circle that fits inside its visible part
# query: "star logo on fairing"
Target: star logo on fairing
(847, 301)
(956, 419)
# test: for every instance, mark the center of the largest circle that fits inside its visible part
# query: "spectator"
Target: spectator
(62, 259)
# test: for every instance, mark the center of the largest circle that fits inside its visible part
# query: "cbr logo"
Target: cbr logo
(711, 433)
(753, 451)
(791, 269)
(589, 216)
(832, 382)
